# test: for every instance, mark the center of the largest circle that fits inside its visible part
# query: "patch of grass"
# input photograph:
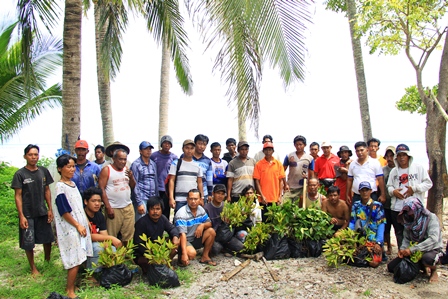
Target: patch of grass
(185, 276)
(367, 293)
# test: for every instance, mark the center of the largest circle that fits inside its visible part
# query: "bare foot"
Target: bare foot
(428, 271)
(434, 277)
(35, 273)
(71, 295)
(389, 250)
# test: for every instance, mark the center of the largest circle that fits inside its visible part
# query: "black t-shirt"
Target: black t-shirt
(214, 213)
(98, 222)
(33, 185)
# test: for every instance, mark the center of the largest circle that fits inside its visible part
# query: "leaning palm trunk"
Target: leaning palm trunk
(359, 69)
(103, 82)
(164, 90)
(241, 127)
(71, 73)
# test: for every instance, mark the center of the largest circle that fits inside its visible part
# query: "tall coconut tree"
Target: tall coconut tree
(21, 99)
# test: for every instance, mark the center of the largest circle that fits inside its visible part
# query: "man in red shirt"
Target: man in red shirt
(324, 165)
(268, 177)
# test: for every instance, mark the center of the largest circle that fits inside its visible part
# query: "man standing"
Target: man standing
(260, 155)
(153, 225)
(163, 158)
(268, 177)
(31, 192)
(324, 165)
(231, 147)
(145, 175)
(195, 229)
(341, 170)
(337, 209)
(366, 169)
(374, 145)
(239, 172)
(116, 181)
(405, 180)
(389, 155)
(99, 156)
(219, 166)
(314, 150)
(301, 166)
(185, 174)
(205, 164)
(86, 172)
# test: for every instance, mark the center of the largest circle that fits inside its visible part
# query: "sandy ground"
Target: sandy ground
(306, 278)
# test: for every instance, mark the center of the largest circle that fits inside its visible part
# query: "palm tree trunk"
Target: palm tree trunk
(164, 90)
(71, 73)
(241, 126)
(103, 82)
(359, 68)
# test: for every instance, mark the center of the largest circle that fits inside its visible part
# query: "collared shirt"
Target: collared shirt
(86, 178)
(367, 172)
(269, 175)
(145, 176)
(187, 223)
(377, 219)
(324, 168)
(205, 164)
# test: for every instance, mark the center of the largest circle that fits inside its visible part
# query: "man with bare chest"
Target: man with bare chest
(337, 209)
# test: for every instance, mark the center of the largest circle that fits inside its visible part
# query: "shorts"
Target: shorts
(196, 243)
(123, 222)
(293, 194)
(39, 231)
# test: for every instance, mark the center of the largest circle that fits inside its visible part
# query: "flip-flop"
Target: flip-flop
(208, 262)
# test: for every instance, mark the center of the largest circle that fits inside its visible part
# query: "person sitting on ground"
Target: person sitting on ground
(337, 208)
(313, 198)
(420, 226)
(214, 209)
(195, 229)
(153, 225)
(367, 217)
(251, 195)
(98, 229)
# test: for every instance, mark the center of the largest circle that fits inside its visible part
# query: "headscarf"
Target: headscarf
(418, 225)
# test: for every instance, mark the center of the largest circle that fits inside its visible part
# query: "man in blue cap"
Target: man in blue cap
(145, 174)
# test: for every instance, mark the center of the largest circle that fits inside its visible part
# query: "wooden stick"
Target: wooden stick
(232, 273)
(256, 256)
(305, 192)
(274, 276)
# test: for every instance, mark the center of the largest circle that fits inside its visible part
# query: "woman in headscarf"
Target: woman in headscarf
(421, 227)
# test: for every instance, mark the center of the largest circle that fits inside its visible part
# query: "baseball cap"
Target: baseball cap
(402, 148)
(344, 148)
(390, 148)
(230, 140)
(325, 143)
(363, 185)
(268, 144)
(219, 187)
(242, 143)
(166, 138)
(81, 144)
(188, 141)
(145, 144)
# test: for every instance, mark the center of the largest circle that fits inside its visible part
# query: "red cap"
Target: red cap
(81, 144)
(268, 144)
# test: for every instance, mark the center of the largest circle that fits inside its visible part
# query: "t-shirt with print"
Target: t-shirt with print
(297, 166)
(97, 222)
(219, 172)
(187, 177)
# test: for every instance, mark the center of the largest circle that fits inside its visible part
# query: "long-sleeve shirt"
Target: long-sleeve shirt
(433, 237)
(145, 176)
(86, 178)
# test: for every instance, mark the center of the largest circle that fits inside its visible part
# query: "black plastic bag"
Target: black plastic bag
(298, 249)
(314, 247)
(444, 258)
(223, 234)
(162, 276)
(406, 271)
(245, 225)
(359, 260)
(55, 295)
(119, 274)
(276, 248)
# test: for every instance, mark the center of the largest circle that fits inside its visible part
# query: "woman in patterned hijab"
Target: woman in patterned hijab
(415, 218)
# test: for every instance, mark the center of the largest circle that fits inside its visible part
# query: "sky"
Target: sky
(324, 107)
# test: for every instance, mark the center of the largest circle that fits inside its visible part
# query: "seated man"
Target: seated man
(421, 226)
(195, 229)
(313, 199)
(153, 225)
(369, 214)
(214, 209)
(337, 208)
(92, 202)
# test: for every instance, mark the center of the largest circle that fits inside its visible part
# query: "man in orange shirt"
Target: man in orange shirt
(268, 177)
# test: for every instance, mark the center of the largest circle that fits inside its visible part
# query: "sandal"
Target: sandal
(208, 262)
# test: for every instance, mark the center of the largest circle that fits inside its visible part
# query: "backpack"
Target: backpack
(167, 180)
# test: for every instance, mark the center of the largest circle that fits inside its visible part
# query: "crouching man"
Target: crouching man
(195, 229)
(153, 225)
(92, 202)
(214, 209)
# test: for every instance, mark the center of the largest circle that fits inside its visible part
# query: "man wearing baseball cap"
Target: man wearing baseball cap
(86, 172)
(405, 180)
(240, 172)
(145, 175)
(163, 158)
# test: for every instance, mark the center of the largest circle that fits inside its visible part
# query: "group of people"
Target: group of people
(371, 191)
